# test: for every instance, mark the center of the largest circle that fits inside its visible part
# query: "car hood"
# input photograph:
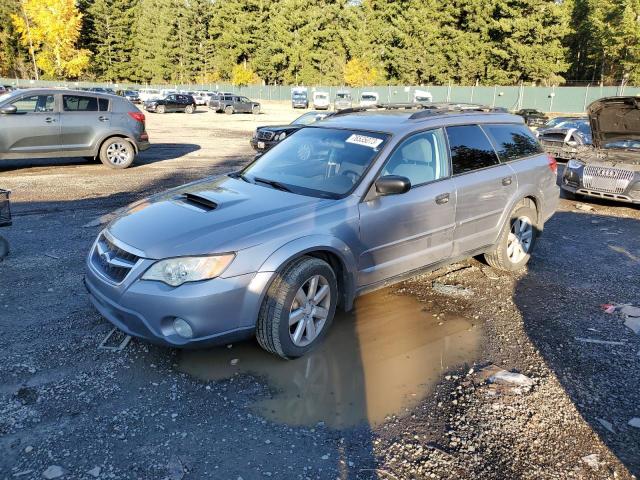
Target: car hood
(279, 128)
(214, 215)
(614, 119)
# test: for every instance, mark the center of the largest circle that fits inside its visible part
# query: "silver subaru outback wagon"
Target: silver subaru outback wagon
(353, 203)
(47, 122)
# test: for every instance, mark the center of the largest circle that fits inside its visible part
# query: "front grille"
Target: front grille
(265, 135)
(111, 261)
(606, 179)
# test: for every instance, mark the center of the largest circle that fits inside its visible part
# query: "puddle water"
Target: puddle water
(378, 360)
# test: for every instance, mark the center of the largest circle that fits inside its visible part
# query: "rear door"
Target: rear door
(84, 121)
(484, 188)
(404, 232)
(33, 131)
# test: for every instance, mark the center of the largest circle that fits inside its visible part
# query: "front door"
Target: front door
(405, 232)
(33, 130)
(84, 120)
(484, 188)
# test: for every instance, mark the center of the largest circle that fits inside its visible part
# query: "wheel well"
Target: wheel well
(128, 139)
(345, 299)
(535, 205)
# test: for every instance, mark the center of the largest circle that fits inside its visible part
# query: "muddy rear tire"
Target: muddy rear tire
(517, 239)
(298, 309)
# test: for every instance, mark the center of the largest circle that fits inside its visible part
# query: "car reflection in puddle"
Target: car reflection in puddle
(380, 359)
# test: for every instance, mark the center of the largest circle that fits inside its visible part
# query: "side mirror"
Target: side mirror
(392, 185)
(8, 109)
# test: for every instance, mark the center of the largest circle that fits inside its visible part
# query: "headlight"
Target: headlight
(574, 164)
(281, 136)
(176, 271)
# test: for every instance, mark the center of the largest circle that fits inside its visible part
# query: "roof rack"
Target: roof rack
(438, 108)
(382, 106)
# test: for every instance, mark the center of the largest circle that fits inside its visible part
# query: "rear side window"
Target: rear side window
(75, 103)
(513, 141)
(103, 104)
(470, 149)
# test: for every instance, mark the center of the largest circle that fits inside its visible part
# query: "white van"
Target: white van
(148, 94)
(369, 99)
(321, 100)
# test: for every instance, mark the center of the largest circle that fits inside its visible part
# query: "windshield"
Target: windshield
(320, 162)
(343, 96)
(368, 97)
(299, 95)
(582, 126)
(308, 118)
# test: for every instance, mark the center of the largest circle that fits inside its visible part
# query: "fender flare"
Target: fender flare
(115, 133)
(270, 268)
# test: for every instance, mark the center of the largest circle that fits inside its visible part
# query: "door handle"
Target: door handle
(506, 181)
(49, 119)
(103, 118)
(442, 199)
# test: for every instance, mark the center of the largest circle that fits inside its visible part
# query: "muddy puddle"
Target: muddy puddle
(380, 359)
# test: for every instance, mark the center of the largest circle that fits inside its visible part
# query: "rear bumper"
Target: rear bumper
(143, 145)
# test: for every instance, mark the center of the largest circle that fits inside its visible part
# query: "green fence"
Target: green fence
(551, 99)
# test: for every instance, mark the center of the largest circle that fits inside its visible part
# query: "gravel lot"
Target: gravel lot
(154, 413)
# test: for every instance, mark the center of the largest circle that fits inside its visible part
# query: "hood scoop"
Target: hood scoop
(198, 202)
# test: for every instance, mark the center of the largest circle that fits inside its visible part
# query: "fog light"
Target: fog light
(182, 328)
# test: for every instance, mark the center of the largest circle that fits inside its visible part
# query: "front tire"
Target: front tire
(160, 109)
(255, 110)
(298, 308)
(189, 109)
(117, 153)
(517, 239)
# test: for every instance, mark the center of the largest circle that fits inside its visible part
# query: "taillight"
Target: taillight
(553, 164)
(137, 116)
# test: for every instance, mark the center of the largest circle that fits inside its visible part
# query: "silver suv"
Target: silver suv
(347, 205)
(46, 123)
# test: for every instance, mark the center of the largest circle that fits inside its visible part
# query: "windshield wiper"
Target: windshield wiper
(272, 183)
(240, 175)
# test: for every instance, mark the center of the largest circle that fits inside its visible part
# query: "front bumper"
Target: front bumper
(573, 182)
(262, 146)
(150, 108)
(219, 311)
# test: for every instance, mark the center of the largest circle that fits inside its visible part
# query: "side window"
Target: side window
(236, 99)
(513, 141)
(103, 104)
(470, 149)
(76, 103)
(171, 98)
(421, 158)
(34, 104)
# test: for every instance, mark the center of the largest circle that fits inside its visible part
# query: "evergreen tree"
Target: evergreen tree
(110, 38)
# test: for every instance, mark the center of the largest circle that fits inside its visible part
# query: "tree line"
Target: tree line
(329, 42)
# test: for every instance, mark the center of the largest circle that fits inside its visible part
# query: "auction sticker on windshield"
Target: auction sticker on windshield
(364, 140)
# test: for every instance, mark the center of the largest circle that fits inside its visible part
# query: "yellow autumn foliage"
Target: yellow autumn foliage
(52, 27)
(358, 73)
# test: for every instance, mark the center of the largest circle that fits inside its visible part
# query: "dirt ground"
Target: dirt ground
(398, 390)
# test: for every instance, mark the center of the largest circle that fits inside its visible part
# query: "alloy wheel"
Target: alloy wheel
(520, 239)
(309, 310)
(118, 153)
